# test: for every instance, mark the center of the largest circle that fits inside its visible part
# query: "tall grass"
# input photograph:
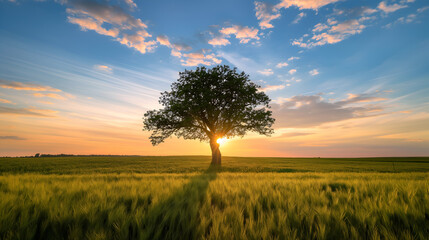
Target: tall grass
(213, 205)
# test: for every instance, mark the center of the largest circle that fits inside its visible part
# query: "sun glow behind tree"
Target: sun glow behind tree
(221, 141)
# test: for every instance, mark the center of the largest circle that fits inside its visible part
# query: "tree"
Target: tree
(209, 104)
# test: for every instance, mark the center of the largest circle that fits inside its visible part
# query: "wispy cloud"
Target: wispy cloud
(361, 98)
(292, 58)
(103, 68)
(26, 86)
(314, 72)
(292, 71)
(408, 19)
(266, 72)
(298, 18)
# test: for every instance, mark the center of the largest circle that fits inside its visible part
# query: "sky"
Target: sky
(346, 78)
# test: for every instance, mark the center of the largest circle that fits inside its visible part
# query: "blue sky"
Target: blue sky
(347, 78)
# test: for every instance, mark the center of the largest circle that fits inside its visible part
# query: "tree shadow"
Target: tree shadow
(177, 217)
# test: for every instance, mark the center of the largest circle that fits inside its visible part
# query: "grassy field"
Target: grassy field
(178, 198)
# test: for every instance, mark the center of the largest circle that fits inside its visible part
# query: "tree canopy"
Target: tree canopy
(208, 104)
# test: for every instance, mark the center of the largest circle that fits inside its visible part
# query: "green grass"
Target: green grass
(178, 198)
(189, 164)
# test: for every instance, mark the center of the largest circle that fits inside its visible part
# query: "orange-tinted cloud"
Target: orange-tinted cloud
(244, 34)
(5, 101)
(390, 8)
(194, 59)
(126, 29)
(103, 68)
(49, 95)
(266, 12)
(26, 86)
(219, 41)
(91, 24)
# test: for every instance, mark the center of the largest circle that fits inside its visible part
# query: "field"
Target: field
(180, 198)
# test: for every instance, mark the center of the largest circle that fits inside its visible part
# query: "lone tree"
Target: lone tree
(210, 104)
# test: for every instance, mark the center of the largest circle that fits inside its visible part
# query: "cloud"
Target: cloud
(126, 29)
(361, 98)
(266, 72)
(46, 102)
(189, 59)
(26, 86)
(269, 88)
(332, 31)
(196, 58)
(310, 111)
(265, 12)
(292, 58)
(138, 41)
(295, 134)
(314, 72)
(105, 13)
(292, 71)
(91, 24)
(163, 40)
(49, 95)
(27, 112)
(305, 4)
(11, 138)
(5, 101)
(131, 4)
(408, 19)
(390, 8)
(298, 18)
(219, 41)
(244, 34)
(323, 34)
(103, 68)
(422, 9)
(281, 64)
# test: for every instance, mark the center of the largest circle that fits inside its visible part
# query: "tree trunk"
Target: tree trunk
(216, 156)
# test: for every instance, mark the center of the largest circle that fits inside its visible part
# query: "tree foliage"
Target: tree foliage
(207, 104)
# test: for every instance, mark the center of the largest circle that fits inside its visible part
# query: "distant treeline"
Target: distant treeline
(37, 155)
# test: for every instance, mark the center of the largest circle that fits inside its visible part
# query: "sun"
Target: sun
(221, 141)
